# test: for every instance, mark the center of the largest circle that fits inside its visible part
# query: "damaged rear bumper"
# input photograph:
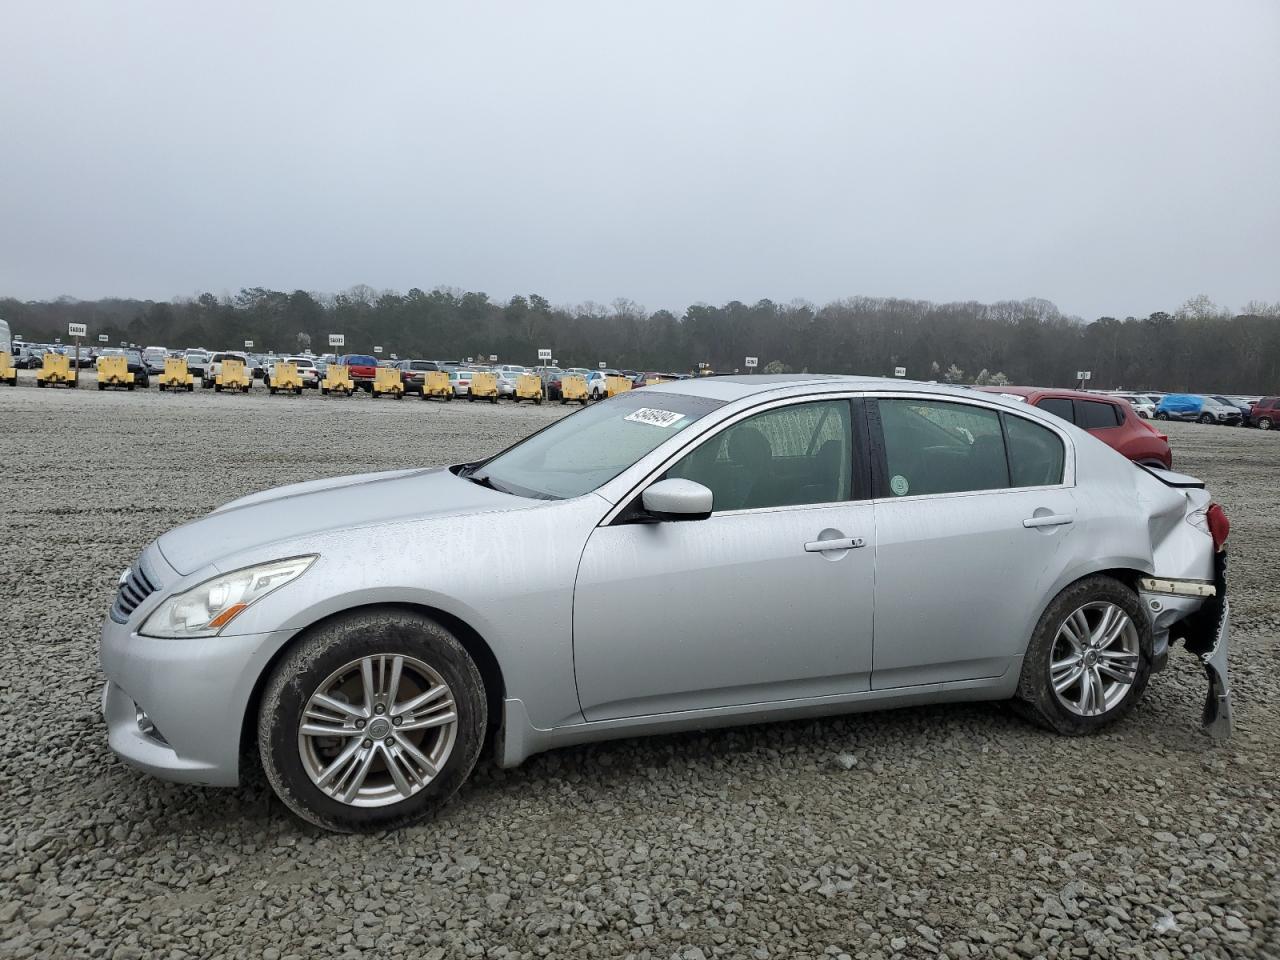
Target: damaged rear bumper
(1207, 634)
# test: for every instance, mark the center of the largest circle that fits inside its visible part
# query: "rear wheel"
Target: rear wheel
(372, 721)
(1162, 416)
(1206, 418)
(1089, 659)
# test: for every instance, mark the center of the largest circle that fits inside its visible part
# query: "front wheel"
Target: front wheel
(1162, 416)
(1089, 659)
(1264, 423)
(372, 721)
(1206, 418)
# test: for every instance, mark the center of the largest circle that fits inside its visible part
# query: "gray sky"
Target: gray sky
(1112, 157)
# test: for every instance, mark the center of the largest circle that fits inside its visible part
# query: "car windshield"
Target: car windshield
(361, 360)
(579, 453)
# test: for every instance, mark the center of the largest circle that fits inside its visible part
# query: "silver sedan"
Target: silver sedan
(697, 554)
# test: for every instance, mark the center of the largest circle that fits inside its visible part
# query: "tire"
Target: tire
(324, 391)
(42, 383)
(129, 387)
(537, 401)
(217, 388)
(583, 402)
(1205, 418)
(1162, 416)
(563, 401)
(493, 399)
(374, 394)
(448, 397)
(1265, 423)
(191, 387)
(271, 390)
(1130, 653)
(319, 661)
(471, 398)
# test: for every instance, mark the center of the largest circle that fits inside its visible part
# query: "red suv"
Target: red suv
(1110, 419)
(1265, 414)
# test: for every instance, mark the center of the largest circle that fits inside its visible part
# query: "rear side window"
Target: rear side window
(939, 447)
(1058, 406)
(1036, 453)
(1095, 415)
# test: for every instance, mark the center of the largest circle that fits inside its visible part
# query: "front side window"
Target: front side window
(793, 455)
(933, 446)
(587, 449)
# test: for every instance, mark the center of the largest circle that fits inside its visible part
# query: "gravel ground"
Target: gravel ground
(951, 831)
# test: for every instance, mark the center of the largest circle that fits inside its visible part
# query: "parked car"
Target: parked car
(362, 367)
(461, 382)
(1193, 407)
(155, 358)
(551, 377)
(197, 361)
(368, 680)
(28, 356)
(1265, 414)
(414, 373)
(1239, 405)
(506, 382)
(1142, 405)
(213, 369)
(597, 386)
(1110, 419)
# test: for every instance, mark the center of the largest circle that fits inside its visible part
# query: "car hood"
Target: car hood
(318, 506)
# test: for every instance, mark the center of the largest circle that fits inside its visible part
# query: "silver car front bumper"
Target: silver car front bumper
(176, 708)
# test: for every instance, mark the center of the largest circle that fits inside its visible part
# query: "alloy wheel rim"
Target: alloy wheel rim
(378, 730)
(1094, 659)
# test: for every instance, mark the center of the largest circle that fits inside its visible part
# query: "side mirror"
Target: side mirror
(677, 500)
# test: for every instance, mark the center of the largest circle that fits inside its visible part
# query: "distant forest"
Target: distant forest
(1198, 347)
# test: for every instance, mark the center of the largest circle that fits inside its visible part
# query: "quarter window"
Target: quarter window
(1095, 415)
(1036, 453)
(789, 456)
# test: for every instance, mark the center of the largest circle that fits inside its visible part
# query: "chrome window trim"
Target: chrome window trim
(713, 428)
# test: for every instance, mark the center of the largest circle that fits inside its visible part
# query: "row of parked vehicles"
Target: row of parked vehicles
(1215, 408)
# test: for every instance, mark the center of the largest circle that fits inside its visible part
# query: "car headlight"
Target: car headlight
(206, 608)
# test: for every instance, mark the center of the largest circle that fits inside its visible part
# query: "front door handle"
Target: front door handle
(1048, 520)
(822, 546)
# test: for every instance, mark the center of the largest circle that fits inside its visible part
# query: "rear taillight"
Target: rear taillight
(1219, 525)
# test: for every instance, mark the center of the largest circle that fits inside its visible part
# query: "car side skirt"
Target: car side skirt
(520, 739)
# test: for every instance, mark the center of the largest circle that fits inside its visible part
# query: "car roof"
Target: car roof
(736, 387)
(1050, 392)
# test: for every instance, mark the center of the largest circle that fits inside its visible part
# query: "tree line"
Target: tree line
(1198, 347)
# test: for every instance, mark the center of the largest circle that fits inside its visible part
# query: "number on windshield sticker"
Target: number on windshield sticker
(655, 418)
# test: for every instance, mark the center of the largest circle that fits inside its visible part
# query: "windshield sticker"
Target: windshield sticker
(654, 417)
(899, 485)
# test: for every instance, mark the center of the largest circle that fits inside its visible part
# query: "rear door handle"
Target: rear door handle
(1049, 520)
(822, 546)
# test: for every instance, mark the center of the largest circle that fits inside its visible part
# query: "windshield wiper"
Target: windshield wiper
(482, 479)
